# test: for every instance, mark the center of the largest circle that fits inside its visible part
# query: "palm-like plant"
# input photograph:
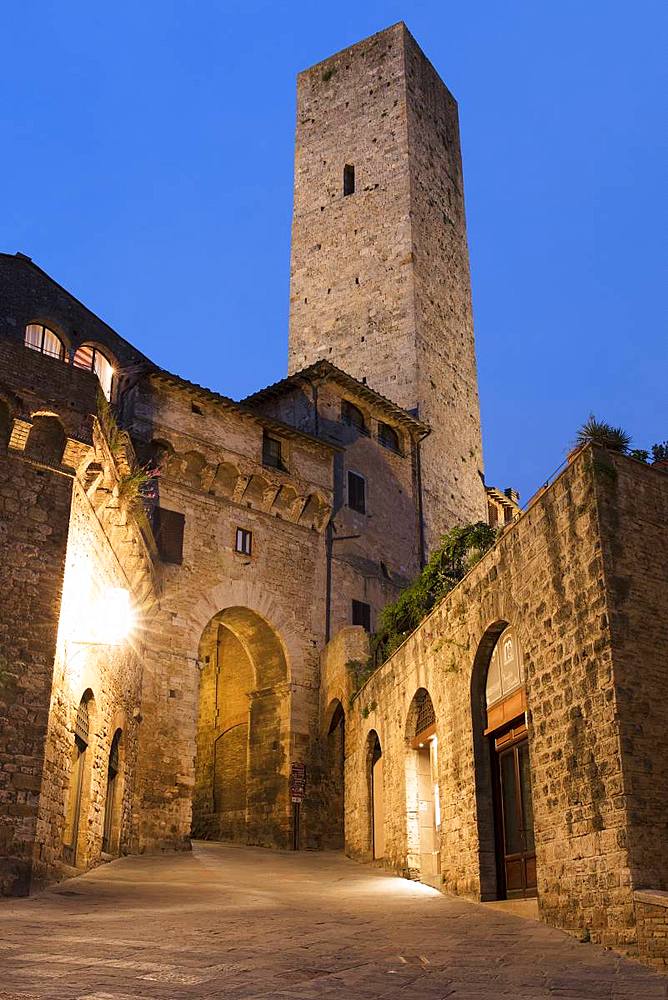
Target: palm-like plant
(597, 432)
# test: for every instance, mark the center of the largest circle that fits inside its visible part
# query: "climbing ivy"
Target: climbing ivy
(459, 551)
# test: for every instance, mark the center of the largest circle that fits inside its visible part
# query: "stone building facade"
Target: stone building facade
(189, 581)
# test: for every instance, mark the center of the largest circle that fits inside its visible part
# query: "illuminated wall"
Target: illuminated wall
(98, 659)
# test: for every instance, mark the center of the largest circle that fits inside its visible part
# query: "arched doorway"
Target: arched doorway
(376, 795)
(423, 807)
(503, 774)
(335, 749)
(242, 761)
(111, 829)
(76, 811)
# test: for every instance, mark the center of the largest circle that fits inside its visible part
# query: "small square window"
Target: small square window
(272, 452)
(244, 541)
(356, 493)
(362, 614)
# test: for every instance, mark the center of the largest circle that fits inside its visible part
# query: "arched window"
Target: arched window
(388, 437)
(505, 673)
(39, 338)
(351, 415)
(91, 357)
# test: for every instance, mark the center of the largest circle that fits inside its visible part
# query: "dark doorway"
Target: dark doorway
(79, 755)
(376, 797)
(110, 805)
(335, 751)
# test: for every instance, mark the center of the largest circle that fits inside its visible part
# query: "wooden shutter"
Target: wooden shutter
(168, 526)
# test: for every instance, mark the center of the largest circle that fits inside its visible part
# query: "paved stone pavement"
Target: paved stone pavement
(241, 923)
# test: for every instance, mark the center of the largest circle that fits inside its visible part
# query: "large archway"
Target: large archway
(241, 768)
(423, 808)
(502, 771)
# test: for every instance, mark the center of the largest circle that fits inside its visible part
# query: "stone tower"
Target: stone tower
(380, 279)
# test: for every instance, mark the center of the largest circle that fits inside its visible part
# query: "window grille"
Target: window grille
(81, 724)
(426, 716)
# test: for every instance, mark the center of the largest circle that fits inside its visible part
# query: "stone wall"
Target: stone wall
(212, 472)
(379, 280)
(652, 921)
(90, 662)
(376, 553)
(549, 577)
(34, 520)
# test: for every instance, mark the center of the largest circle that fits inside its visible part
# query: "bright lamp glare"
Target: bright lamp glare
(113, 616)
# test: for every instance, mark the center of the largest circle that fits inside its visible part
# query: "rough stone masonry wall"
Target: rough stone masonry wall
(34, 519)
(351, 288)
(380, 278)
(633, 510)
(446, 364)
(546, 577)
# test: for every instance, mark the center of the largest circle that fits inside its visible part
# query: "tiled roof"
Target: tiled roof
(324, 370)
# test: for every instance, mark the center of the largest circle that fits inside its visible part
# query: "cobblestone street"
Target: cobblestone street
(244, 923)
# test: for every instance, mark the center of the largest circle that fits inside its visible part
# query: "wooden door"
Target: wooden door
(516, 820)
(73, 814)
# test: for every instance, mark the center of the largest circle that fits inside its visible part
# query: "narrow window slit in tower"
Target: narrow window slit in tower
(348, 179)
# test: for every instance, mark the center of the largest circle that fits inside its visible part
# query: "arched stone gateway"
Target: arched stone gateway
(502, 769)
(242, 761)
(423, 808)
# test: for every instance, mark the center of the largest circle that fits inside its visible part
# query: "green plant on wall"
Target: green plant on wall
(459, 551)
(598, 432)
(137, 485)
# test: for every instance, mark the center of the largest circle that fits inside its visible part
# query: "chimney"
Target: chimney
(512, 494)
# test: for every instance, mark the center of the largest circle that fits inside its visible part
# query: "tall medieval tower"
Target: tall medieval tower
(380, 282)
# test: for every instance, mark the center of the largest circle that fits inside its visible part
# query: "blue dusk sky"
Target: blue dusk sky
(147, 166)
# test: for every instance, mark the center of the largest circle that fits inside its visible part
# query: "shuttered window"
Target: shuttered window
(168, 527)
